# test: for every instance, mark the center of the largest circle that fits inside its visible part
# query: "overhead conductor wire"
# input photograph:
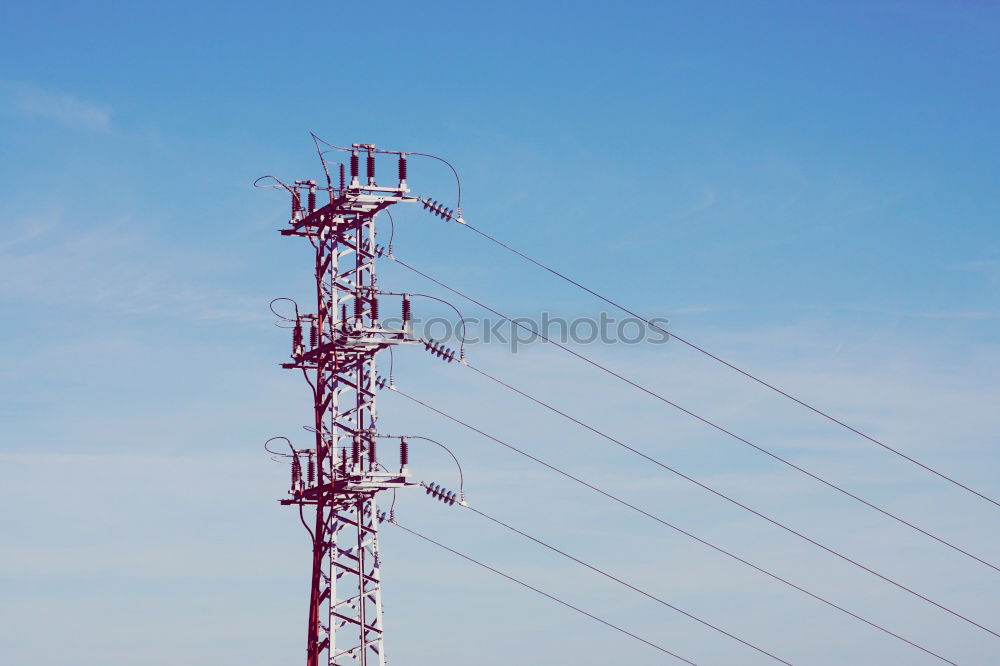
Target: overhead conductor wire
(544, 594)
(728, 364)
(540, 542)
(457, 217)
(614, 578)
(704, 420)
(729, 499)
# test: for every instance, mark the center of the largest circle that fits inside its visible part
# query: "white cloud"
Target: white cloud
(61, 107)
(116, 266)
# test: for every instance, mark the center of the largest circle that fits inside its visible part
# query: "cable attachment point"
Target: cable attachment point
(440, 493)
(355, 164)
(439, 350)
(402, 171)
(297, 339)
(438, 209)
(296, 474)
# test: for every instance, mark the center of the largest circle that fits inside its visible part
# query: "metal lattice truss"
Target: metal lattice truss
(337, 356)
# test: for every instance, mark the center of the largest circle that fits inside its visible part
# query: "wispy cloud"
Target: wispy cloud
(117, 268)
(54, 105)
(987, 269)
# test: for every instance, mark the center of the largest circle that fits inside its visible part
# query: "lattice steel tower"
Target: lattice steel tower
(335, 348)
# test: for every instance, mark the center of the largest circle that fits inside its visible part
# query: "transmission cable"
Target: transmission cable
(729, 499)
(704, 420)
(644, 593)
(677, 529)
(732, 366)
(609, 576)
(544, 594)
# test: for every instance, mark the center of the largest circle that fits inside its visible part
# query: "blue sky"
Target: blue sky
(807, 188)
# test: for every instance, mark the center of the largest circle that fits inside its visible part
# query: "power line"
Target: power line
(621, 582)
(544, 594)
(728, 364)
(680, 530)
(770, 520)
(603, 573)
(704, 420)
(667, 467)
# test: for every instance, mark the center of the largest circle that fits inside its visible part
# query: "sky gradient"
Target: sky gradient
(809, 189)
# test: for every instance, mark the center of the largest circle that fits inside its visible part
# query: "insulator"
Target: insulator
(355, 451)
(450, 498)
(404, 452)
(406, 309)
(354, 165)
(357, 307)
(297, 337)
(343, 460)
(428, 489)
(312, 199)
(402, 169)
(296, 471)
(295, 203)
(343, 314)
(311, 471)
(371, 168)
(374, 307)
(372, 459)
(341, 176)
(314, 335)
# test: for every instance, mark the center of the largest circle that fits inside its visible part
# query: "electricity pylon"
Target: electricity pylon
(335, 348)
